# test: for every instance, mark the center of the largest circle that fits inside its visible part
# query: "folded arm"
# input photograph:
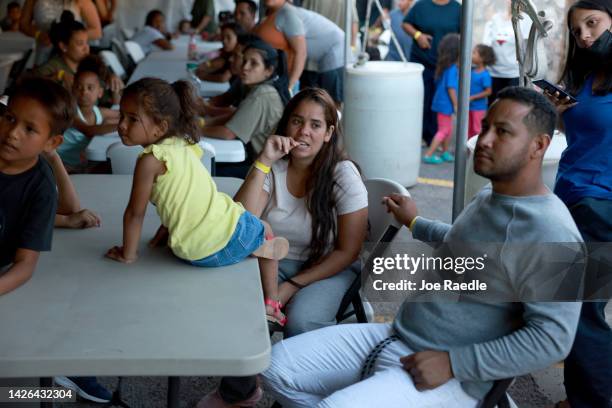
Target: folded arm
(546, 338)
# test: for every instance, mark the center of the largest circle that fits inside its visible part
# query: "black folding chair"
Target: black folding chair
(17, 69)
(351, 296)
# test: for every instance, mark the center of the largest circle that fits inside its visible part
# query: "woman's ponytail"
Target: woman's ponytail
(178, 104)
(191, 106)
(276, 59)
(62, 31)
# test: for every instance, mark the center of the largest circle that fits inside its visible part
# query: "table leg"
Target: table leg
(46, 382)
(174, 385)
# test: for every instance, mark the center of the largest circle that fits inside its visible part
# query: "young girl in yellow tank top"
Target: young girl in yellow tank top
(202, 226)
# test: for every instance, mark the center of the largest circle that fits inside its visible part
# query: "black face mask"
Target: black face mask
(601, 50)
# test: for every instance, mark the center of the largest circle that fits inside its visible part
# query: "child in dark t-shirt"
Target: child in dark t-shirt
(37, 115)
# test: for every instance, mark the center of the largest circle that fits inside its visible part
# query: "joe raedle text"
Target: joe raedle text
(448, 284)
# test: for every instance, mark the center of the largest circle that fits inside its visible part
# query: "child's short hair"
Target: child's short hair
(54, 97)
(12, 5)
(93, 64)
(487, 54)
(235, 27)
(151, 16)
(183, 22)
(176, 103)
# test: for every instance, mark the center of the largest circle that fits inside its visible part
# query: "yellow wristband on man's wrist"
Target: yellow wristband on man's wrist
(411, 226)
(60, 74)
(417, 35)
(37, 35)
(261, 167)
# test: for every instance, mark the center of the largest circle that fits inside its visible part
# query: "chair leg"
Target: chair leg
(174, 384)
(46, 382)
(359, 309)
(497, 397)
(116, 400)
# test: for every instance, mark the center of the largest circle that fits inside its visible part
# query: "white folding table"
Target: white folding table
(171, 65)
(173, 70)
(226, 151)
(83, 314)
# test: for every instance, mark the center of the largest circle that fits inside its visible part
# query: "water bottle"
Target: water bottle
(192, 49)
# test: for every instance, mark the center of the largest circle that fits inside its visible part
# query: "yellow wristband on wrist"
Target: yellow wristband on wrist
(411, 226)
(60, 74)
(261, 167)
(37, 35)
(417, 35)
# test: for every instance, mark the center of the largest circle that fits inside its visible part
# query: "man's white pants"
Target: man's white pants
(322, 368)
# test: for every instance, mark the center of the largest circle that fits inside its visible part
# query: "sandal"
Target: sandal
(273, 248)
(276, 321)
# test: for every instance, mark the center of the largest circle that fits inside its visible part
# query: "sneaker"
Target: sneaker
(214, 400)
(447, 156)
(86, 387)
(433, 159)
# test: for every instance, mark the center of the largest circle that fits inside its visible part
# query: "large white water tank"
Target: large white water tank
(550, 164)
(383, 114)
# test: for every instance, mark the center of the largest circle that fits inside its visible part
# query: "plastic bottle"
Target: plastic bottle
(192, 49)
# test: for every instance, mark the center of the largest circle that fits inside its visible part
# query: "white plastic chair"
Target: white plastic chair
(118, 48)
(111, 60)
(380, 220)
(123, 158)
(108, 33)
(208, 158)
(127, 33)
(5, 70)
(135, 51)
(382, 230)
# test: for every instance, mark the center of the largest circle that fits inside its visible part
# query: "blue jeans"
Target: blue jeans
(588, 367)
(316, 305)
(247, 237)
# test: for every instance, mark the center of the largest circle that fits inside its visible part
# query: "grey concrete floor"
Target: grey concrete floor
(531, 391)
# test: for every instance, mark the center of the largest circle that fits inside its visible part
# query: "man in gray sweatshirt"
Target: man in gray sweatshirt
(438, 354)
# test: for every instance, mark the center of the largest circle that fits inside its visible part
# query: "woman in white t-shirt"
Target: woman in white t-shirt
(303, 184)
(499, 35)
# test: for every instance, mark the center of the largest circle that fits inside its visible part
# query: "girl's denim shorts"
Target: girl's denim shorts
(247, 237)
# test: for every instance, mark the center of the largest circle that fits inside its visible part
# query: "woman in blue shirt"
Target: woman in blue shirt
(584, 183)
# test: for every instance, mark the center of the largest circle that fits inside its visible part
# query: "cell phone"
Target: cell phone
(552, 88)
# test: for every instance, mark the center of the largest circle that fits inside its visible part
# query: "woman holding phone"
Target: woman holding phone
(584, 183)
